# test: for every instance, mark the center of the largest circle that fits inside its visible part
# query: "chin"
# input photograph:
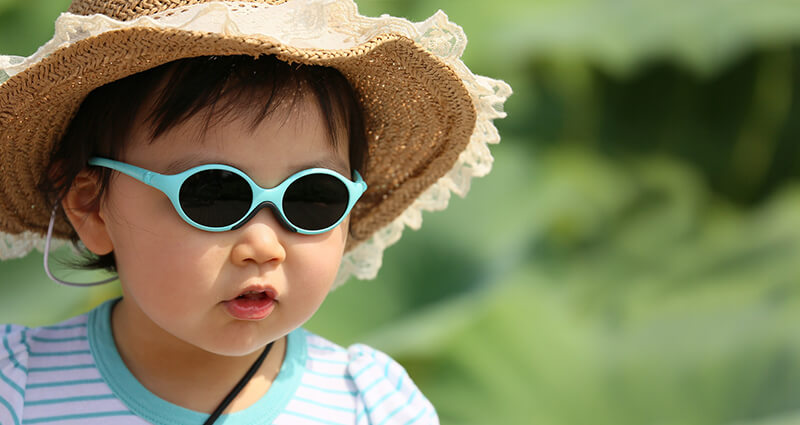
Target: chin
(239, 353)
(232, 345)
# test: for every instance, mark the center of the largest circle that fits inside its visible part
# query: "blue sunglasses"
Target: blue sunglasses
(217, 197)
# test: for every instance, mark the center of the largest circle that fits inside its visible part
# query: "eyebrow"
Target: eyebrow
(329, 162)
(188, 162)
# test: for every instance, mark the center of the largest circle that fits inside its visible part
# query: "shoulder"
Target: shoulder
(382, 388)
(14, 354)
(389, 394)
(26, 352)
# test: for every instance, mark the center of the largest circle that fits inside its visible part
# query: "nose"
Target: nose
(259, 241)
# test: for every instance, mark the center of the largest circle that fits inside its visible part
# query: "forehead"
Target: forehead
(292, 137)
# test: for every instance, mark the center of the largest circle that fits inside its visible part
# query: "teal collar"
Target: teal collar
(150, 407)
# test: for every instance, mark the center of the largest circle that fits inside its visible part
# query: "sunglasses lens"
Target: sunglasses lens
(215, 198)
(315, 201)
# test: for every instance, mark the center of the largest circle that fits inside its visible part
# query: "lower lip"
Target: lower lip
(247, 309)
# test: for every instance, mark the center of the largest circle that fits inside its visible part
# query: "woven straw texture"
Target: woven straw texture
(125, 10)
(420, 112)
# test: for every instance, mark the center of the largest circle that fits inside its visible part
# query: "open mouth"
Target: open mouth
(251, 305)
(253, 295)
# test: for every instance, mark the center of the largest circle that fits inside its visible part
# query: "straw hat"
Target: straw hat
(428, 117)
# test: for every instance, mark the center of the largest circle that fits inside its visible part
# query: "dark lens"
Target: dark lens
(215, 198)
(315, 201)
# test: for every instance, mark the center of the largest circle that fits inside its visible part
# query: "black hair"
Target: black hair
(220, 88)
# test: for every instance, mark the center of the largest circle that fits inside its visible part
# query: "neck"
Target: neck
(184, 374)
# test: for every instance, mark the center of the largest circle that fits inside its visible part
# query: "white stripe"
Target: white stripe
(325, 412)
(73, 373)
(73, 407)
(339, 398)
(327, 368)
(53, 392)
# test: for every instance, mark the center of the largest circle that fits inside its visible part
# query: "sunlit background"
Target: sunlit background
(633, 256)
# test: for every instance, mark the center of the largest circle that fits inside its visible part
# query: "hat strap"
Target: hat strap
(47, 255)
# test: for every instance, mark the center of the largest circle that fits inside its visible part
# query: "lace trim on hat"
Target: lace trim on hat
(325, 24)
(18, 246)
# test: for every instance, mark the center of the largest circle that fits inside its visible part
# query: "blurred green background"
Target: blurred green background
(632, 258)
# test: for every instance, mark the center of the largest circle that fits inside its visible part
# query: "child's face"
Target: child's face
(178, 278)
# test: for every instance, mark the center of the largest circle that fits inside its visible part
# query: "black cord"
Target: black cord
(238, 388)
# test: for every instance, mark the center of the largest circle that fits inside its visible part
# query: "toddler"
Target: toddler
(230, 162)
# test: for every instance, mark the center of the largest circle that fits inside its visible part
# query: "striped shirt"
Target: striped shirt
(71, 373)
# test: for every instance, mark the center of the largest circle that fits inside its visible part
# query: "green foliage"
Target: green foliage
(668, 306)
(28, 296)
(26, 25)
(632, 257)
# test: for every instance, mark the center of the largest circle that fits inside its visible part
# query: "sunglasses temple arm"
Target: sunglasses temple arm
(362, 185)
(144, 176)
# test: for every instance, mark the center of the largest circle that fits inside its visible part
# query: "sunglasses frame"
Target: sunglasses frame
(170, 185)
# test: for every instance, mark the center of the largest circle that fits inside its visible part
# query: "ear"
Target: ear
(84, 213)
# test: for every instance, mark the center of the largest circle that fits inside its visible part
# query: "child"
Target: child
(155, 133)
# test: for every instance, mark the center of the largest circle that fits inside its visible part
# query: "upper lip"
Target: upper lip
(269, 290)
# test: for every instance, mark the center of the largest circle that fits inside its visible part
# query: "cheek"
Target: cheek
(163, 275)
(312, 266)
(159, 259)
(137, 207)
